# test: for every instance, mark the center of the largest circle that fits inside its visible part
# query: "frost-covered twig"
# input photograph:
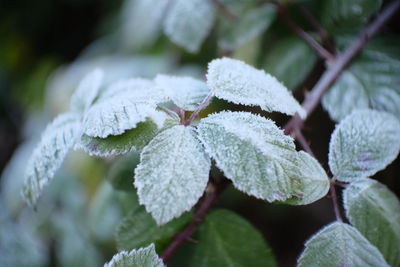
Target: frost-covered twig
(342, 60)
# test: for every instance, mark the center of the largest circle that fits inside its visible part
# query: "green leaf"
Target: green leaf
(340, 244)
(375, 212)
(188, 22)
(372, 81)
(186, 92)
(130, 140)
(143, 257)
(87, 91)
(57, 139)
(121, 172)
(362, 144)
(172, 174)
(340, 16)
(313, 181)
(138, 229)
(226, 239)
(290, 59)
(247, 26)
(252, 152)
(237, 82)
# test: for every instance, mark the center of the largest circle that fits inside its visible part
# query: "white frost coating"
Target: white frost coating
(48, 156)
(340, 244)
(188, 22)
(138, 89)
(252, 152)
(115, 115)
(186, 92)
(375, 211)
(237, 82)
(142, 257)
(313, 181)
(87, 91)
(362, 144)
(172, 174)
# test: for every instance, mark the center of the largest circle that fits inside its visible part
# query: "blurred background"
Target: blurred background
(47, 46)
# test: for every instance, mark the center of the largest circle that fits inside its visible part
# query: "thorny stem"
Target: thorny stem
(335, 201)
(332, 73)
(319, 49)
(205, 204)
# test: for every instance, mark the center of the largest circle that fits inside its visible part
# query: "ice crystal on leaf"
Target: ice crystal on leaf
(252, 152)
(340, 244)
(375, 212)
(172, 174)
(237, 82)
(143, 257)
(186, 92)
(363, 143)
(87, 91)
(48, 156)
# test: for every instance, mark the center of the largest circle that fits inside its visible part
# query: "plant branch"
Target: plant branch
(205, 204)
(224, 10)
(332, 73)
(319, 49)
(303, 142)
(335, 201)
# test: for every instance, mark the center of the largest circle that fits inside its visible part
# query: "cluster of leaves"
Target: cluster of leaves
(155, 119)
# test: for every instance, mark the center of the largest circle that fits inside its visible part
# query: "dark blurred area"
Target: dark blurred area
(36, 37)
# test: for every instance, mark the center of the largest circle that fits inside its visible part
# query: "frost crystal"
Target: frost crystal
(143, 257)
(235, 81)
(87, 91)
(375, 212)
(340, 244)
(48, 156)
(117, 114)
(172, 174)
(363, 143)
(187, 93)
(188, 22)
(253, 152)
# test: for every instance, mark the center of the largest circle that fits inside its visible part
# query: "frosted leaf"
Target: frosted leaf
(141, 22)
(186, 92)
(372, 82)
(375, 212)
(143, 257)
(172, 174)
(137, 89)
(313, 181)
(237, 82)
(252, 152)
(87, 91)
(246, 27)
(340, 244)
(115, 115)
(363, 143)
(188, 22)
(57, 139)
(130, 140)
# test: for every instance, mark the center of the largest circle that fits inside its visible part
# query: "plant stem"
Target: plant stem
(205, 204)
(303, 142)
(319, 49)
(224, 10)
(342, 60)
(335, 201)
(202, 106)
